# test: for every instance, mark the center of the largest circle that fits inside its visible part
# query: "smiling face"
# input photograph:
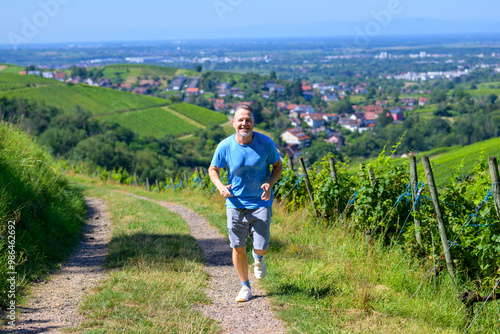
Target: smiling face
(243, 125)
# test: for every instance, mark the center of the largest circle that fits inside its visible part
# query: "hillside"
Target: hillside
(446, 159)
(38, 206)
(138, 113)
(130, 73)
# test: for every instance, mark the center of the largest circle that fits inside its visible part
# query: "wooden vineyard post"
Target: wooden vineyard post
(135, 179)
(414, 189)
(172, 183)
(185, 183)
(439, 215)
(371, 176)
(148, 186)
(157, 186)
(495, 182)
(308, 185)
(333, 172)
(290, 163)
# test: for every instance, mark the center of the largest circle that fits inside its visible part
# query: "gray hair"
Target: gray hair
(246, 107)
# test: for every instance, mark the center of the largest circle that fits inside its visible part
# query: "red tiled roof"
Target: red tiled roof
(374, 109)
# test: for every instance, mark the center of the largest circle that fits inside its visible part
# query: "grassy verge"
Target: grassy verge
(330, 280)
(156, 273)
(40, 212)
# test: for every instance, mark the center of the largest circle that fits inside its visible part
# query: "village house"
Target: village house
(396, 114)
(193, 82)
(140, 90)
(104, 82)
(296, 136)
(329, 118)
(60, 76)
(314, 120)
(330, 96)
(277, 88)
(177, 82)
(305, 109)
(408, 101)
(281, 106)
(295, 121)
(382, 103)
(48, 75)
(124, 86)
(192, 91)
(422, 101)
(335, 138)
(293, 151)
(374, 109)
(219, 104)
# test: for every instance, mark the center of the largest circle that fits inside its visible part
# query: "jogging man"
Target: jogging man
(247, 156)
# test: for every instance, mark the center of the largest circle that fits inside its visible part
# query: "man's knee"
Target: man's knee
(239, 250)
(261, 252)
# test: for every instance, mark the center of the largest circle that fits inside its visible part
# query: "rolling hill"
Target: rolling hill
(144, 115)
(446, 159)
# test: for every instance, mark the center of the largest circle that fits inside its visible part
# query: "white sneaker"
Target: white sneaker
(244, 295)
(260, 268)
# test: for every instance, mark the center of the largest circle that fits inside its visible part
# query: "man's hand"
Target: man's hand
(266, 195)
(224, 191)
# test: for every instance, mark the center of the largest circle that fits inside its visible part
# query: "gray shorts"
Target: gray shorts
(242, 222)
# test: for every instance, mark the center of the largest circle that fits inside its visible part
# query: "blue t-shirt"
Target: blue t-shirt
(248, 169)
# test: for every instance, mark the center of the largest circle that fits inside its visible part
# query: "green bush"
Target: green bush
(48, 211)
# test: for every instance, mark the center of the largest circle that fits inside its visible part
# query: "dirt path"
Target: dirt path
(53, 303)
(254, 316)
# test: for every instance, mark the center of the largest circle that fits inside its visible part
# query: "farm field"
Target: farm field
(10, 69)
(202, 115)
(485, 89)
(155, 122)
(129, 73)
(99, 101)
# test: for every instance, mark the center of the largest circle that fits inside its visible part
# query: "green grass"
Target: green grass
(330, 280)
(156, 122)
(356, 99)
(201, 115)
(47, 210)
(156, 276)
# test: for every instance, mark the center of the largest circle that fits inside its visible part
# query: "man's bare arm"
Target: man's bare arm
(213, 172)
(275, 175)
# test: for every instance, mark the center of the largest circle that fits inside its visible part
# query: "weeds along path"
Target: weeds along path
(53, 304)
(254, 316)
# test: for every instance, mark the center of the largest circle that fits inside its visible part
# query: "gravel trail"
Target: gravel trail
(254, 316)
(52, 304)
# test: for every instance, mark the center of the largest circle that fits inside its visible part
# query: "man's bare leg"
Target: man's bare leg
(240, 263)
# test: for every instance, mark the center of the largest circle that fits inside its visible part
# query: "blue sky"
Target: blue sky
(64, 20)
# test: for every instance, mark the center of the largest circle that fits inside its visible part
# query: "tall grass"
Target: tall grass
(332, 280)
(48, 211)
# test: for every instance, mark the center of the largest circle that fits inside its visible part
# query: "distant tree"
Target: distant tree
(318, 150)
(384, 119)
(272, 75)
(198, 68)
